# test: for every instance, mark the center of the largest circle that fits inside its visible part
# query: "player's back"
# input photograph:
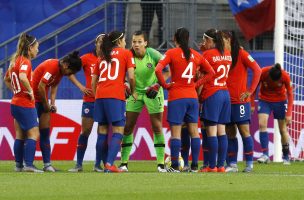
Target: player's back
(49, 73)
(182, 73)
(112, 75)
(21, 98)
(89, 61)
(221, 64)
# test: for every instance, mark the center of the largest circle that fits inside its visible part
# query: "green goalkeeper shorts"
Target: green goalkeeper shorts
(153, 105)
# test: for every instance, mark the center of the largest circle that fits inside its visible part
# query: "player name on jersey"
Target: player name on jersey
(221, 58)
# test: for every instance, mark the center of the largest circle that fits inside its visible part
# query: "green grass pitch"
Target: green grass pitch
(268, 181)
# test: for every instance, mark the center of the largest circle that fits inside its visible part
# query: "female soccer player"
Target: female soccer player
(110, 106)
(47, 76)
(149, 94)
(275, 91)
(215, 100)
(18, 79)
(89, 62)
(183, 100)
(240, 101)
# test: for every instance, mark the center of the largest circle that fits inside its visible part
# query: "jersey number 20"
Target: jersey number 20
(105, 66)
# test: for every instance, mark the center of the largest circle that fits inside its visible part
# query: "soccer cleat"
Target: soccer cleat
(76, 169)
(50, 168)
(286, 161)
(161, 168)
(124, 167)
(112, 169)
(232, 168)
(32, 169)
(208, 169)
(186, 169)
(203, 167)
(221, 169)
(263, 159)
(19, 169)
(172, 170)
(248, 169)
(98, 169)
(194, 169)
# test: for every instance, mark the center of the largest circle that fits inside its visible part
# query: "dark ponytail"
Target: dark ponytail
(216, 36)
(109, 41)
(275, 73)
(234, 44)
(182, 38)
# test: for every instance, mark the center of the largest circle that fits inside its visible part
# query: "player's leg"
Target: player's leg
(205, 146)
(102, 135)
(127, 141)
(18, 147)
(133, 108)
(279, 112)
(185, 146)
(159, 139)
(232, 150)
(115, 114)
(263, 115)
(155, 108)
(87, 122)
(224, 118)
(247, 144)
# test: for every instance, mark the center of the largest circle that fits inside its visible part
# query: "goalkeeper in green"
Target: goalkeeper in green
(150, 94)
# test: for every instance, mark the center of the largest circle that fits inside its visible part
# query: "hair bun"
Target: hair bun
(75, 54)
(277, 66)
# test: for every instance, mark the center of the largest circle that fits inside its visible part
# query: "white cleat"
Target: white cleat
(161, 168)
(98, 169)
(172, 170)
(124, 168)
(18, 169)
(263, 159)
(231, 168)
(76, 169)
(32, 169)
(49, 168)
(286, 162)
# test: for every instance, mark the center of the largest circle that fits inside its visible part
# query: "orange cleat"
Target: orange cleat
(208, 169)
(112, 169)
(221, 169)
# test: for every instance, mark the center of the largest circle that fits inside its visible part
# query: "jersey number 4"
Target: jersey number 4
(107, 68)
(188, 72)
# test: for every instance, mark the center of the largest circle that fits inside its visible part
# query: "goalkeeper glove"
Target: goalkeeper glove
(152, 90)
(127, 90)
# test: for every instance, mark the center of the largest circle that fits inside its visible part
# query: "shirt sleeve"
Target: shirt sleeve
(130, 60)
(96, 68)
(249, 62)
(159, 68)
(207, 70)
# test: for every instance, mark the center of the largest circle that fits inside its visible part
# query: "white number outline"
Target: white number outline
(224, 74)
(16, 87)
(108, 66)
(189, 76)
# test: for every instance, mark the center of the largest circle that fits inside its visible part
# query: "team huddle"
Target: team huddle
(210, 88)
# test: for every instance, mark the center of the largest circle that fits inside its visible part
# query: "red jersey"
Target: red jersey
(49, 73)
(112, 75)
(21, 98)
(275, 91)
(89, 61)
(221, 65)
(182, 72)
(237, 77)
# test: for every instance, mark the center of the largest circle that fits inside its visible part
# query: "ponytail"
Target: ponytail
(109, 41)
(216, 36)
(24, 43)
(182, 38)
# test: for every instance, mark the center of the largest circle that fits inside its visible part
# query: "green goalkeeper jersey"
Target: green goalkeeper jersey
(145, 69)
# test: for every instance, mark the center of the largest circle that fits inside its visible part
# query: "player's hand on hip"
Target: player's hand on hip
(245, 95)
(31, 95)
(87, 91)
